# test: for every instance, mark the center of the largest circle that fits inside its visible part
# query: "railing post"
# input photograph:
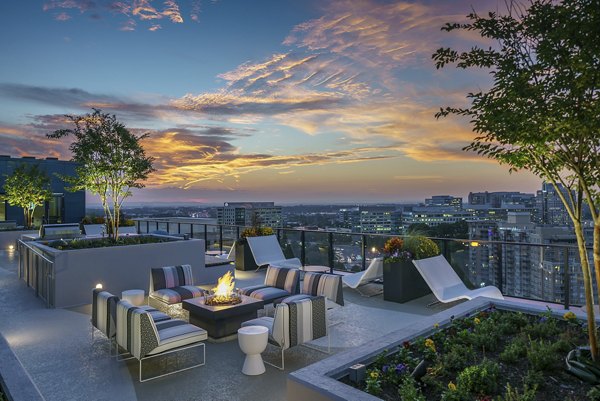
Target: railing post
(191, 230)
(147, 226)
(205, 238)
(237, 229)
(178, 228)
(499, 273)
(168, 231)
(567, 279)
(330, 251)
(363, 251)
(220, 238)
(302, 248)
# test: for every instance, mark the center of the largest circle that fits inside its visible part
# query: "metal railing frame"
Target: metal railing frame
(40, 263)
(364, 238)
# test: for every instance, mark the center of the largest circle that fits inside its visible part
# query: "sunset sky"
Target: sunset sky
(288, 101)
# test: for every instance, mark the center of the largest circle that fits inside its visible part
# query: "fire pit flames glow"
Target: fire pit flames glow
(223, 293)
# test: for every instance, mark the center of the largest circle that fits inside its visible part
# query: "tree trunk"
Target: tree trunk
(597, 254)
(589, 297)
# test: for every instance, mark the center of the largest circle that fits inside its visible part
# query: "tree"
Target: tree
(110, 161)
(542, 112)
(27, 187)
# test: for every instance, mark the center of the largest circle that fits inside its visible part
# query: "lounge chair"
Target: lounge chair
(371, 273)
(94, 230)
(267, 251)
(294, 323)
(445, 283)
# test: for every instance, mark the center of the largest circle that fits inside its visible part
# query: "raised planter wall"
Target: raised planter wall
(122, 268)
(319, 381)
(10, 237)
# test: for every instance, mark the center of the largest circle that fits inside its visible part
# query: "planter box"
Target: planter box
(319, 381)
(10, 237)
(119, 268)
(402, 282)
(243, 257)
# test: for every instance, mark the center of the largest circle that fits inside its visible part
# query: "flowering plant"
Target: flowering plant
(395, 252)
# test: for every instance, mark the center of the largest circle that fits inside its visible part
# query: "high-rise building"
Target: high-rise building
(64, 206)
(497, 199)
(349, 218)
(550, 209)
(245, 213)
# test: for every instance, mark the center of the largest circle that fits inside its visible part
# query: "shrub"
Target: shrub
(514, 351)
(479, 379)
(408, 390)
(541, 355)
(512, 394)
(421, 247)
(458, 357)
(594, 394)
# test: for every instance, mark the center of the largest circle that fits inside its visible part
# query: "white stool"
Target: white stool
(253, 340)
(135, 297)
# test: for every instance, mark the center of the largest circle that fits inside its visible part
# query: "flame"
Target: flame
(225, 285)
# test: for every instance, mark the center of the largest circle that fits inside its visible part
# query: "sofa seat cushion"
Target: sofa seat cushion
(295, 298)
(177, 294)
(156, 315)
(265, 293)
(177, 333)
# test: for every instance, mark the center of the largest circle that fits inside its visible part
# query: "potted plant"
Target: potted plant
(401, 280)
(243, 256)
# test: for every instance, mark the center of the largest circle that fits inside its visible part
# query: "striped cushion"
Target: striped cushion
(328, 285)
(265, 293)
(126, 313)
(295, 322)
(170, 276)
(145, 337)
(175, 295)
(104, 312)
(283, 278)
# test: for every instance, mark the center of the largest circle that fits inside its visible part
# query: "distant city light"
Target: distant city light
(373, 249)
(474, 243)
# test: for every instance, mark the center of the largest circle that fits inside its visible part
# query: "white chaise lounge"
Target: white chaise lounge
(267, 251)
(357, 280)
(445, 283)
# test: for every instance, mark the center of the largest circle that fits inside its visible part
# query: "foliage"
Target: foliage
(512, 394)
(28, 188)
(256, 230)
(111, 161)
(409, 391)
(542, 111)
(462, 366)
(479, 379)
(594, 394)
(421, 247)
(394, 251)
(105, 242)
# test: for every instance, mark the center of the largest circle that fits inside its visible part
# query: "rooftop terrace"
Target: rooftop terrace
(55, 350)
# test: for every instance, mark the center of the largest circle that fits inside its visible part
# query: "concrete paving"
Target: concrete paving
(54, 347)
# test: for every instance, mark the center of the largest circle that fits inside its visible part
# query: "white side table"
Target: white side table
(135, 297)
(253, 340)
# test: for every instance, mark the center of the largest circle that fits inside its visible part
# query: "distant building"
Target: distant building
(379, 220)
(243, 213)
(64, 207)
(433, 216)
(445, 201)
(349, 218)
(550, 209)
(497, 199)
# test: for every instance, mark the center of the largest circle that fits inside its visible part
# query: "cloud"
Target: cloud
(134, 10)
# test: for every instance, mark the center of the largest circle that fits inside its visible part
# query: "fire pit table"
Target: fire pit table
(222, 321)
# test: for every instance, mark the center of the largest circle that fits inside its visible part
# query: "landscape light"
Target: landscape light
(11, 247)
(99, 286)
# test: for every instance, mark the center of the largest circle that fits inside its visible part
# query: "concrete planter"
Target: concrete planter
(402, 282)
(119, 268)
(10, 237)
(320, 381)
(243, 257)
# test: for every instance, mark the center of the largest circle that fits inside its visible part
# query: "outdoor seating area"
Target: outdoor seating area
(147, 347)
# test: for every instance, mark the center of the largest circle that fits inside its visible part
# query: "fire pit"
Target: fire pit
(223, 293)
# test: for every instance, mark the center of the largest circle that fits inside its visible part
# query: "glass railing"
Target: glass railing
(531, 271)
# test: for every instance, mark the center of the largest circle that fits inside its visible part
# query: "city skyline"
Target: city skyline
(310, 102)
